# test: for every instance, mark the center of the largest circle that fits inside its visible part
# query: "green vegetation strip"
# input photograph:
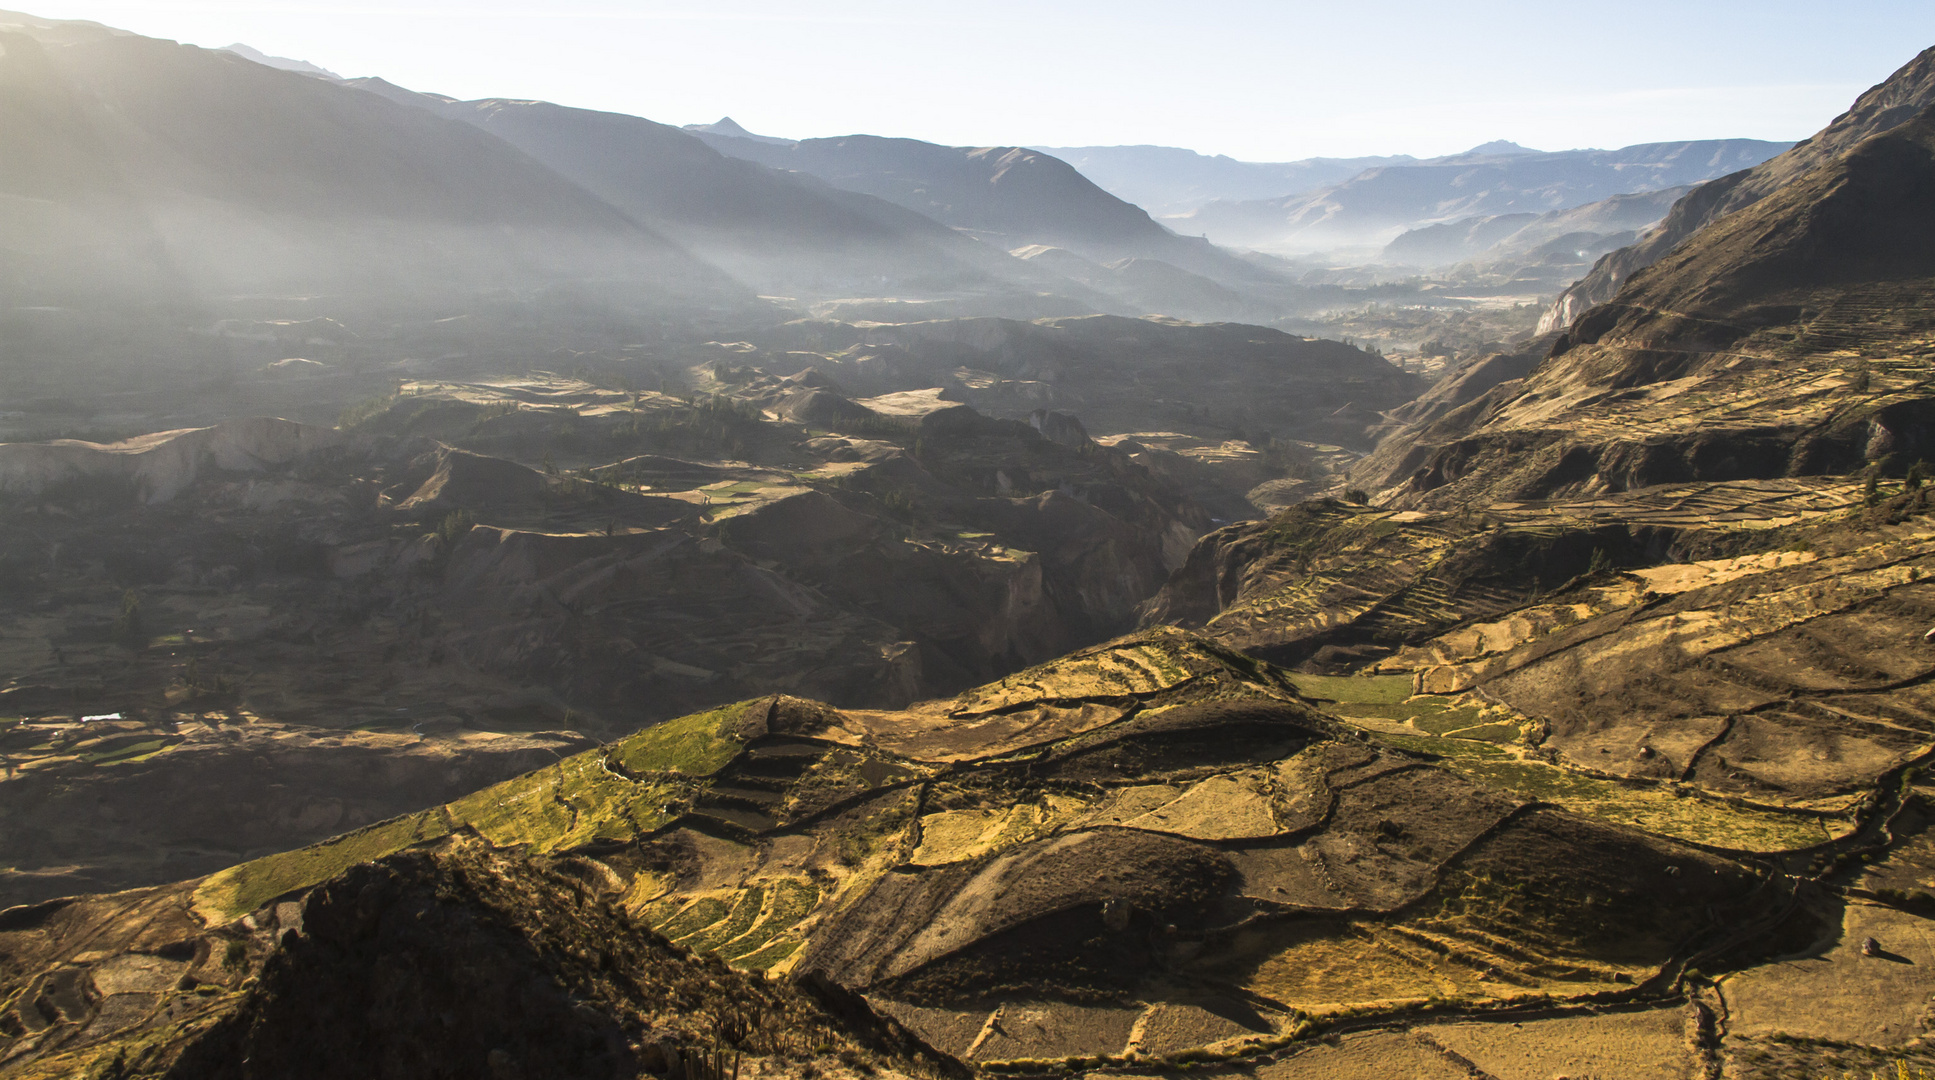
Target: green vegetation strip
(697, 915)
(697, 745)
(744, 913)
(1656, 810)
(576, 802)
(120, 754)
(230, 894)
(766, 958)
(787, 902)
(1354, 689)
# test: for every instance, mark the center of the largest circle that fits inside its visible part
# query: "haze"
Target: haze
(1249, 78)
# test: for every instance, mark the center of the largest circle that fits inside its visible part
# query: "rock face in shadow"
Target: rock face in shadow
(1779, 341)
(1895, 101)
(439, 961)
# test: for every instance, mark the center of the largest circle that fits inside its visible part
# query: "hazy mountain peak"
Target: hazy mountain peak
(281, 63)
(1502, 146)
(730, 128)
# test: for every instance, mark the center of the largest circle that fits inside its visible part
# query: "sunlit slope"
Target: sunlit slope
(1135, 836)
(1791, 338)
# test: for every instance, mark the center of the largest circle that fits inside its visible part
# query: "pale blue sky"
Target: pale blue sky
(1250, 78)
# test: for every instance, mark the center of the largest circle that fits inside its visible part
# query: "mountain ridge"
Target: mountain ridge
(1374, 206)
(1892, 101)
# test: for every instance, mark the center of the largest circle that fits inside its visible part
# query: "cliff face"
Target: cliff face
(1893, 102)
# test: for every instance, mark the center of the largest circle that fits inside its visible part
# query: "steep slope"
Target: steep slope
(1899, 98)
(784, 232)
(144, 179)
(1373, 207)
(1788, 338)
(467, 960)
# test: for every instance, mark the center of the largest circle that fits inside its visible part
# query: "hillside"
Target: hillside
(1894, 101)
(1786, 339)
(497, 590)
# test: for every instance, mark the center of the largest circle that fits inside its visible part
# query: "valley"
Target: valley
(493, 588)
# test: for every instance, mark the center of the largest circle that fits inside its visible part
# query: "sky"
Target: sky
(1254, 79)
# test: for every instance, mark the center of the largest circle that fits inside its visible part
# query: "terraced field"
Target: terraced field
(1154, 849)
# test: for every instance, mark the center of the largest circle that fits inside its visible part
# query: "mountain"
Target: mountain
(280, 63)
(1007, 195)
(152, 188)
(730, 128)
(1375, 206)
(1532, 253)
(1168, 180)
(784, 232)
(1894, 101)
(1784, 339)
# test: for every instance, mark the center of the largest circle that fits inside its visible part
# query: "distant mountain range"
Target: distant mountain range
(784, 233)
(1775, 337)
(1171, 180)
(1373, 207)
(280, 63)
(1009, 196)
(1168, 180)
(218, 187)
(1531, 253)
(146, 182)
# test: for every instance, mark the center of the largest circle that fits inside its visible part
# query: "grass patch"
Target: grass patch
(745, 912)
(697, 745)
(1438, 746)
(787, 902)
(1354, 689)
(121, 754)
(233, 893)
(1499, 731)
(695, 917)
(525, 811)
(768, 957)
